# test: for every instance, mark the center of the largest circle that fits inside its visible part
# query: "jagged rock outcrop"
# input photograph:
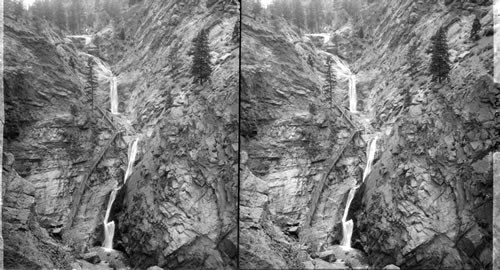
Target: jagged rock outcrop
(53, 134)
(428, 200)
(27, 244)
(291, 139)
(179, 208)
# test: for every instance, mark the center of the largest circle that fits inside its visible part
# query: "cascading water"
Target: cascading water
(353, 100)
(372, 147)
(347, 225)
(342, 71)
(107, 75)
(88, 38)
(109, 227)
(113, 95)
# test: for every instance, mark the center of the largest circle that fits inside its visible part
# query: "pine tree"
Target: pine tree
(319, 14)
(311, 17)
(440, 63)
(331, 80)
(75, 17)
(257, 8)
(18, 9)
(60, 14)
(274, 8)
(476, 27)
(298, 14)
(121, 35)
(37, 10)
(310, 61)
(201, 67)
(91, 80)
(287, 11)
(47, 10)
(236, 32)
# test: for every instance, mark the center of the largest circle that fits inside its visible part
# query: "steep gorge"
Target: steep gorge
(178, 208)
(428, 199)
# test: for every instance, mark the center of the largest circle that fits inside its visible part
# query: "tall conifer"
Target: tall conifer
(201, 67)
(440, 63)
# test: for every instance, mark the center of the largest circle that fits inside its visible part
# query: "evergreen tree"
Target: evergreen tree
(201, 67)
(274, 8)
(97, 43)
(331, 80)
(236, 32)
(18, 9)
(310, 61)
(440, 63)
(91, 80)
(47, 10)
(319, 14)
(298, 14)
(75, 17)
(60, 14)
(112, 8)
(476, 27)
(122, 34)
(311, 17)
(287, 11)
(41, 9)
(336, 42)
(257, 8)
(37, 10)
(328, 18)
(352, 7)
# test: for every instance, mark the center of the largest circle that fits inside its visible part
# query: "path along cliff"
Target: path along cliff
(178, 208)
(428, 198)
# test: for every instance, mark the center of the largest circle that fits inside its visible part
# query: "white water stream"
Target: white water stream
(106, 74)
(342, 71)
(88, 38)
(113, 95)
(109, 227)
(347, 225)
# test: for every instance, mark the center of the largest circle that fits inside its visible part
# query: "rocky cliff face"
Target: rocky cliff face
(291, 141)
(178, 209)
(428, 200)
(53, 135)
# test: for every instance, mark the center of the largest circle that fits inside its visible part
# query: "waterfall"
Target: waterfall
(88, 38)
(353, 100)
(109, 227)
(113, 95)
(131, 159)
(107, 75)
(347, 226)
(370, 155)
(342, 71)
